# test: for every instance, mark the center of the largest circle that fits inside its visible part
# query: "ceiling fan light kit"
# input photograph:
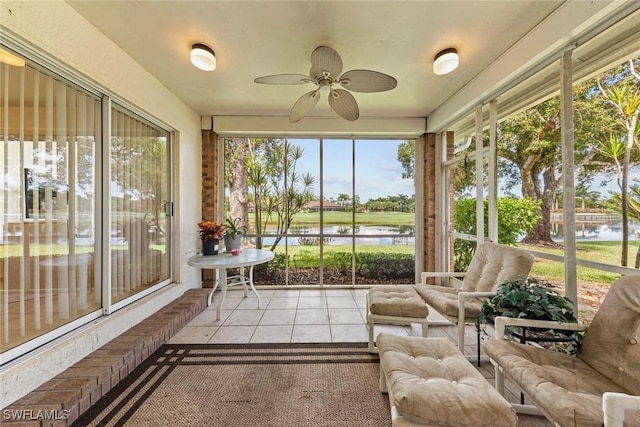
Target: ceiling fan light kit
(326, 71)
(446, 61)
(203, 57)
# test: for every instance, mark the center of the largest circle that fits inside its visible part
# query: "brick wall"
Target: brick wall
(429, 198)
(209, 174)
(209, 184)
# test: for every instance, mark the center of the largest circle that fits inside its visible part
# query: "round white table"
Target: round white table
(222, 261)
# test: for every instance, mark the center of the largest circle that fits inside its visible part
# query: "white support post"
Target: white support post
(442, 208)
(418, 182)
(568, 185)
(479, 176)
(493, 174)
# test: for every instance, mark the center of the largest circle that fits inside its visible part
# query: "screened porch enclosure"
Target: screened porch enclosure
(335, 211)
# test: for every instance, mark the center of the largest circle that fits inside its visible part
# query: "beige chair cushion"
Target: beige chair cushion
(611, 345)
(492, 264)
(432, 383)
(400, 301)
(564, 387)
(569, 389)
(445, 301)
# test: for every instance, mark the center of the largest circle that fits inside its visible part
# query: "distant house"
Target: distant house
(314, 206)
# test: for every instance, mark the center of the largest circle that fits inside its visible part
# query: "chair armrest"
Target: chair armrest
(468, 295)
(502, 322)
(464, 295)
(614, 405)
(450, 274)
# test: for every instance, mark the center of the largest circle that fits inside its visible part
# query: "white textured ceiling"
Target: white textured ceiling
(257, 38)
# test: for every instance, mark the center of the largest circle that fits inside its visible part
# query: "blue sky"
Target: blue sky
(378, 172)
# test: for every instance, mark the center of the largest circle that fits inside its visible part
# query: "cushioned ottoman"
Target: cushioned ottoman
(430, 383)
(396, 305)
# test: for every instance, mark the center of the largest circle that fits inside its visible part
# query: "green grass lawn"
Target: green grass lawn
(364, 218)
(602, 252)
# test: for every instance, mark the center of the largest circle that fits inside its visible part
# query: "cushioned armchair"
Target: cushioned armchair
(491, 264)
(600, 384)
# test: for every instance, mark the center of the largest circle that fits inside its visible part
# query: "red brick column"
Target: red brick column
(429, 198)
(209, 185)
(209, 175)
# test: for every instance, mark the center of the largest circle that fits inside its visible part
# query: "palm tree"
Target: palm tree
(625, 98)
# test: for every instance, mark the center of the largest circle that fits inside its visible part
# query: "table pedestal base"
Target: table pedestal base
(226, 282)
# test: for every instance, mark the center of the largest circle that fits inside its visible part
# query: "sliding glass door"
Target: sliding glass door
(139, 193)
(62, 179)
(51, 132)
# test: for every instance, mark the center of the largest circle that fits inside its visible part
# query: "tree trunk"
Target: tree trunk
(540, 234)
(624, 196)
(238, 188)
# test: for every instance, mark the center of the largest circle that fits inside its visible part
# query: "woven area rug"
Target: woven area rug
(248, 385)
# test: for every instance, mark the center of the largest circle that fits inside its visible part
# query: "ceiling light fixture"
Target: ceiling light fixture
(446, 61)
(202, 57)
(7, 57)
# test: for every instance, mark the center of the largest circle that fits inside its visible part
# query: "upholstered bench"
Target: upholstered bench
(396, 305)
(430, 383)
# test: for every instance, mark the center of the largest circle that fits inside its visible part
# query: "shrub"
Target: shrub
(340, 260)
(515, 218)
(385, 266)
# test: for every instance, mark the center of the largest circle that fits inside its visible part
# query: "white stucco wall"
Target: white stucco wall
(52, 29)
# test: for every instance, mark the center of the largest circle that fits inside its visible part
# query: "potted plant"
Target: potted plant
(234, 233)
(530, 298)
(210, 232)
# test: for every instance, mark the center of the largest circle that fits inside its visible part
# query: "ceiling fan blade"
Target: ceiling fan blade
(284, 79)
(367, 81)
(324, 59)
(344, 104)
(303, 105)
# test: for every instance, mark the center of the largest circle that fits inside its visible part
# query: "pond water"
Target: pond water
(338, 235)
(598, 231)
(404, 235)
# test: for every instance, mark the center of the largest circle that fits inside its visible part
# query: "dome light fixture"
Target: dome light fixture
(202, 57)
(446, 61)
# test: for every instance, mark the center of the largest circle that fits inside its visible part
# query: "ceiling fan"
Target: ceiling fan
(326, 71)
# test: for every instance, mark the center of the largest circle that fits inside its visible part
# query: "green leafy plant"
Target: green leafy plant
(530, 298)
(233, 227)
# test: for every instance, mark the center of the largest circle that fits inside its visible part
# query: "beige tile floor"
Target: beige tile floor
(284, 316)
(295, 316)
